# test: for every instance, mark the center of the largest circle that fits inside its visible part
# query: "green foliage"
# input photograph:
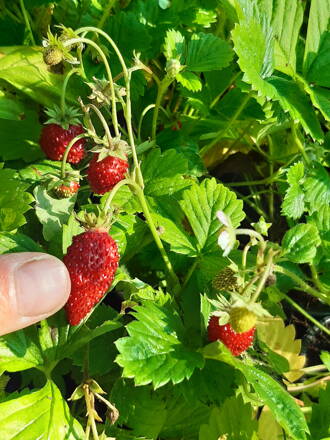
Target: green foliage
(229, 110)
(300, 243)
(224, 421)
(18, 416)
(14, 201)
(155, 350)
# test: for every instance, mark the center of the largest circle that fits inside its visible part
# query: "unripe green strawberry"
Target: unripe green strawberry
(52, 55)
(241, 319)
(225, 280)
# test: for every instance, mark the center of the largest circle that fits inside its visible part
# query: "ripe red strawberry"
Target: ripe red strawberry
(236, 342)
(54, 139)
(64, 191)
(103, 175)
(92, 261)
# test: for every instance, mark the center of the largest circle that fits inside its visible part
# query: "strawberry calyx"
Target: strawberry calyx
(63, 187)
(99, 221)
(117, 148)
(70, 116)
(55, 49)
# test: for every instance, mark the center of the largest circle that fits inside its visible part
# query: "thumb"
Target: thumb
(33, 286)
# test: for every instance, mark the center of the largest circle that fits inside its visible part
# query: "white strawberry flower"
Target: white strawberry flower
(227, 236)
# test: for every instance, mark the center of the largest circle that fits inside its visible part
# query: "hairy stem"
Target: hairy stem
(162, 87)
(306, 287)
(306, 314)
(109, 74)
(64, 88)
(67, 151)
(146, 212)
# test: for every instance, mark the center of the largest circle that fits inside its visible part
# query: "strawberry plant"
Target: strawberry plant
(176, 159)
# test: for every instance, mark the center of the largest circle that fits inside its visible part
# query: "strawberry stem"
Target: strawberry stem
(306, 287)
(145, 111)
(64, 88)
(162, 87)
(67, 151)
(265, 275)
(306, 314)
(107, 68)
(113, 192)
(103, 121)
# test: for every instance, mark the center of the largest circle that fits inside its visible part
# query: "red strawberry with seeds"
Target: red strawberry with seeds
(92, 261)
(236, 342)
(54, 139)
(104, 174)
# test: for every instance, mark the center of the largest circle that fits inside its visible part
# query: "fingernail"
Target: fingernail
(40, 286)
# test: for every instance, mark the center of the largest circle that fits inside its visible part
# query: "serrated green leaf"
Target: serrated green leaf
(320, 421)
(300, 242)
(255, 51)
(41, 414)
(189, 80)
(201, 203)
(17, 243)
(287, 18)
(293, 204)
(325, 358)
(282, 405)
(174, 45)
(207, 52)
(52, 213)
(321, 220)
(19, 351)
(154, 351)
(296, 173)
(14, 201)
(318, 23)
(224, 422)
(319, 70)
(321, 99)
(317, 187)
(297, 103)
(191, 226)
(164, 173)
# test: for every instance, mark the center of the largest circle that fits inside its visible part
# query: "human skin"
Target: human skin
(33, 286)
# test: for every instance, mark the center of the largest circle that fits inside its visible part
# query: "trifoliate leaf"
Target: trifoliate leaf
(300, 242)
(174, 45)
(41, 414)
(207, 52)
(14, 201)
(155, 352)
(224, 422)
(281, 339)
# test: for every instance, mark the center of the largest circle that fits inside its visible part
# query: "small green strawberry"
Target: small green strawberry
(242, 319)
(52, 55)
